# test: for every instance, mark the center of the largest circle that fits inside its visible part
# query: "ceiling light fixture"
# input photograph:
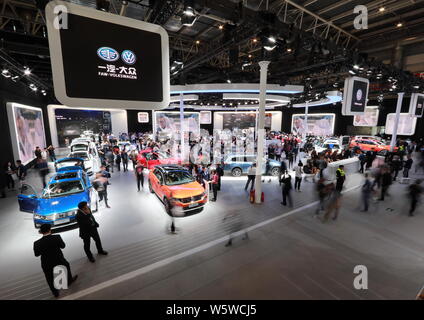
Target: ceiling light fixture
(27, 72)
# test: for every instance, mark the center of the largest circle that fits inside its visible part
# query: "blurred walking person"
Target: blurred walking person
(139, 168)
(322, 194)
(286, 189)
(366, 192)
(334, 203)
(234, 223)
(407, 166)
(214, 184)
(386, 181)
(298, 176)
(251, 176)
(415, 191)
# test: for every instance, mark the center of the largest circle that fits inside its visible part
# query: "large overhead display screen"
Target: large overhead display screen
(319, 124)
(71, 123)
(243, 120)
(167, 125)
(27, 130)
(368, 119)
(406, 127)
(355, 96)
(105, 60)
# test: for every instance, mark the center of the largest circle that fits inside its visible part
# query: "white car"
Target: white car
(91, 163)
(333, 145)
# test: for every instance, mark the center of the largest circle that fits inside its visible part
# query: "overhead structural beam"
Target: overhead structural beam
(329, 24)
(333, 6)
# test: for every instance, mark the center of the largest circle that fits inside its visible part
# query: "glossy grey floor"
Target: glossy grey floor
(295, 257)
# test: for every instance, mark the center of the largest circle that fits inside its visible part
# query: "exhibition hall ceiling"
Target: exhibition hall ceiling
(309, 42)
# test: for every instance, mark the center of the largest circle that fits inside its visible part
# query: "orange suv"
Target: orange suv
(181, 194)
(370, 145)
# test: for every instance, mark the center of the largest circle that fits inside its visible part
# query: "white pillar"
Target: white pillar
(261, 130)
(306, 118)
(182, 149)
(396, 124)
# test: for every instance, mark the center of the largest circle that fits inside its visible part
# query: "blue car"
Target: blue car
(237, 164)
(58, 203)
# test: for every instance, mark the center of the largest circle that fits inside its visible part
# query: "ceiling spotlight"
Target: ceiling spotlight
(381, 9)
(255, 40)
(272, 39)
(6, 73)
(221, 27)
(189, 11)
(289, 50)
(228, 81)
(399, 24)
(197, 41)
(250, 56)
(27, 72)
(33, 87)
(356, 67)
(270, 48)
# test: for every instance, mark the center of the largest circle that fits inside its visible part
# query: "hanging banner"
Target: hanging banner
(105, 60)
(416, 107)
(355, 96)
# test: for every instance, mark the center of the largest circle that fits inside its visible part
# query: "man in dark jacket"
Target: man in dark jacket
(220, 173)
(386, 181)
(49, 247)
(88, 229)
(287, 186)
(415, 191)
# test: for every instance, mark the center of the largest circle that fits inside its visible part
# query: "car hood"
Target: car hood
(61, 204)
(186, 190)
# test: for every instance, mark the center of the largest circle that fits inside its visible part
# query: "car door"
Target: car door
(28, 199)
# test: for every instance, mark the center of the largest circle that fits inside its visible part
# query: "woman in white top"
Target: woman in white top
(298, 171)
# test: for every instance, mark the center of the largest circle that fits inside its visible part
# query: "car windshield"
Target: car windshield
(63, 188)
(178, 177)
(81, 155)
(330, 146)
(79, 147)
(163, 155)
(68, 163)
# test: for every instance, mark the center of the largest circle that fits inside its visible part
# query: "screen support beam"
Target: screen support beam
(261, 131)
(396, 124)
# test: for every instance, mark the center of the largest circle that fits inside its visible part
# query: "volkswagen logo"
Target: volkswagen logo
(108, 54)
(128, 56)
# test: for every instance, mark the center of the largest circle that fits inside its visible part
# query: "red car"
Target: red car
(149, 158)
(370, 145)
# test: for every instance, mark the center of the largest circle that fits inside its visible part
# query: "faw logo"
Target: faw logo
(108, 54)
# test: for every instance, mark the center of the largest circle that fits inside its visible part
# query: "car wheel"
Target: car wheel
(275, 172)
(150, 188)
(236, 172)
(167, 206)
